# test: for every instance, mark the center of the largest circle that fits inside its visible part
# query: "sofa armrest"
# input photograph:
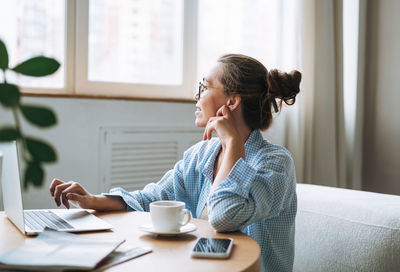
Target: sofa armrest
(346, 230)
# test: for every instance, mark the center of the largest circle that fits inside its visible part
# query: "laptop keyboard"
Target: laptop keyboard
(38, 220)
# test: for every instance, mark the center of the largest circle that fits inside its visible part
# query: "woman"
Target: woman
(237, 180)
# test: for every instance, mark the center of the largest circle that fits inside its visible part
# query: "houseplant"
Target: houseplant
(35, 152)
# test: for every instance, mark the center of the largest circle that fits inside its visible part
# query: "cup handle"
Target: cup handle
(188, 215)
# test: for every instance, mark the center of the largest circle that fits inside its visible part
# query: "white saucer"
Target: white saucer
(185, 229)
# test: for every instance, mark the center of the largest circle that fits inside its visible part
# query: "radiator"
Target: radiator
(132, 157)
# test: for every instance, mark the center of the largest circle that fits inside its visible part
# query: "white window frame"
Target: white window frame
(85, 87)
(76, 62)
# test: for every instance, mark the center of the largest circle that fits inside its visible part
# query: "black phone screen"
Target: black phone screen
(212, 245)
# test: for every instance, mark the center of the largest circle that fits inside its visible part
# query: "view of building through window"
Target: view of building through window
(136, 41)
(31, 28)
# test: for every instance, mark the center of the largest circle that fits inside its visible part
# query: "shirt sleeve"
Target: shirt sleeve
(251, 193)
(165, 189)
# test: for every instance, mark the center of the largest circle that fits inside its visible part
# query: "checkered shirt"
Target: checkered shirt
(257, 197)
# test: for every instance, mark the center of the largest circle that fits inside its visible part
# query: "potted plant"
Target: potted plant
(35, 152)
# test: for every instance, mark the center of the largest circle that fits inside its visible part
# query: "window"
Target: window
(152, 49)
(230, 26)
(31, 28)
(350, 58)
(264, 29)
(136, 41)
(135, 48)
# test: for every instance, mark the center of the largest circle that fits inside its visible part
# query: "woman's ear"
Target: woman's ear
(234, 102)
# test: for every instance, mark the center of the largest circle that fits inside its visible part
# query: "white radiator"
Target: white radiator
(133, 157)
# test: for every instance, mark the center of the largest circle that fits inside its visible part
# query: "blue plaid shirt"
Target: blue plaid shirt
(257, 197)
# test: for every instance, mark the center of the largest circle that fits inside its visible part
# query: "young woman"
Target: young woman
(237, 180)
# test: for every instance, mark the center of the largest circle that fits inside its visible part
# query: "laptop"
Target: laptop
(32, 222)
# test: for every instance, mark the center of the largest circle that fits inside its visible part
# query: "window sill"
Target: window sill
(84, 96)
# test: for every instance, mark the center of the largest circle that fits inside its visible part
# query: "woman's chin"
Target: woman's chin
(199, 123)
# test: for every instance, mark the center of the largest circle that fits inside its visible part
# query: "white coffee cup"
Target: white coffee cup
(169, 216)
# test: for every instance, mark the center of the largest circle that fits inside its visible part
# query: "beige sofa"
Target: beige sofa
(346, 230)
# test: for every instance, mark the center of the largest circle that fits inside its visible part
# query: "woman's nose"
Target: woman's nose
(196, 96)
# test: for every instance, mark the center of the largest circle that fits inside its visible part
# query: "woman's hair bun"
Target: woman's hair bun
(283, 86)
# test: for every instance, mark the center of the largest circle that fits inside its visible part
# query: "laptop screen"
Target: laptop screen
(11, 185)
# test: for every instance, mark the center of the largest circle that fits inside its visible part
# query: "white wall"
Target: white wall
(76, 137)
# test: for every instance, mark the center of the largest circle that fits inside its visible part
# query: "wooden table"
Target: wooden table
(169, 253)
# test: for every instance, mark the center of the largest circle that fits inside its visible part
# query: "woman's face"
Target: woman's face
(211, 99)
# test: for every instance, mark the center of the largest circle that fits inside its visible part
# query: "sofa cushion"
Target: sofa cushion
(346, 230)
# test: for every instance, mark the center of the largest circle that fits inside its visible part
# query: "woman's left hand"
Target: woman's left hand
(223, 125)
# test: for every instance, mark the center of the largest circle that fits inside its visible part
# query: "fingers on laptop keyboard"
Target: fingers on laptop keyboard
(54, 184)
(59, 191)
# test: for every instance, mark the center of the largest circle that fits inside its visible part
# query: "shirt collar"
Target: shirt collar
(208, 169)
(255, 138)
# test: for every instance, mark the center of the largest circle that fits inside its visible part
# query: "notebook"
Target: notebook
(32, 222)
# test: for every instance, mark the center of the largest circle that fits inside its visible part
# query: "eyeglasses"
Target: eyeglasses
(202, 87)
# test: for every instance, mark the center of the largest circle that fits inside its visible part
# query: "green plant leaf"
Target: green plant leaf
(37, 66)
(9, 134)
(33, 174)
(40, 116)
(3, 56)
(41, 151)
(9, 95)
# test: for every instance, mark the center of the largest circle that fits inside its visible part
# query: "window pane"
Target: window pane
(249, 27)
(30, 28)
(136, 41)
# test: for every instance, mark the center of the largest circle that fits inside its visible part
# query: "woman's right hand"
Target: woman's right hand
(73, 192)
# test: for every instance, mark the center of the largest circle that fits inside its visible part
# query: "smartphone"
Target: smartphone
(212, 248)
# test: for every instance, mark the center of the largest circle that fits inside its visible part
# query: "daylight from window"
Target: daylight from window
(31, 28)
(136, 41)
(232, 26)
(142, 44)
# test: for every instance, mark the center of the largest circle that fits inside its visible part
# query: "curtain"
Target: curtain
(326, 156)
(325, 145)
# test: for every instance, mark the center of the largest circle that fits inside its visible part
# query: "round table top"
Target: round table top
(170, 253)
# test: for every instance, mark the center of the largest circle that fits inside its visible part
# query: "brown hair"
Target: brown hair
(258, 88)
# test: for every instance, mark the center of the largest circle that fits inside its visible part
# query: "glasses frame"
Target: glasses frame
(202, 87)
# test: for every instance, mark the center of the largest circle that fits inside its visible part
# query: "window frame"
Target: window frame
(76, 63)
